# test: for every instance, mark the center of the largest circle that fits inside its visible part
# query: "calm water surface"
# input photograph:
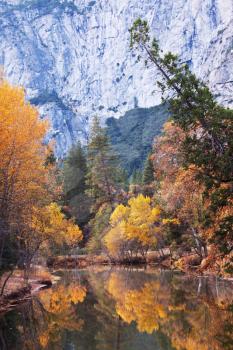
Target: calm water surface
(122, 309)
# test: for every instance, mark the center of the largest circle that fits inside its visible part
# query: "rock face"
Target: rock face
(73, 58)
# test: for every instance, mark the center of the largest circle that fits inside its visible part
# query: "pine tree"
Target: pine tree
(136, 177)
(208, 127)
(74, 171)
(103, 178)
(74, 176)
(148, 171)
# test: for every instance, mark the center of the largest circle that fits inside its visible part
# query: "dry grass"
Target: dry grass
(17, 280)
(13, 284)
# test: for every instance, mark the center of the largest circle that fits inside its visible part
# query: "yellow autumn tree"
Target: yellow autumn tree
(115, 239)
(23, 178)
(133, 228)
(47, 225)
(27, 186)
(143, 222)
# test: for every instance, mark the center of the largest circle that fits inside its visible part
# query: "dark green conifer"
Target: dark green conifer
(74, 179)
(148, 171)
(103, 177)
(75, 170)
(136, 177)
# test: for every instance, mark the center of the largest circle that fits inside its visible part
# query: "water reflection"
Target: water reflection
(123, 309)
(59, 309)
(192, 314)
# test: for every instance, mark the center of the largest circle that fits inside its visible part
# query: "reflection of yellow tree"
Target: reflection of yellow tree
(190, 324)
(141, 306)
(58, 305)
(206, 326)
(60, 299)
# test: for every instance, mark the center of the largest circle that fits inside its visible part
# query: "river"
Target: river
(124, 309)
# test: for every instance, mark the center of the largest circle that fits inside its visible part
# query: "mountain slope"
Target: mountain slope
(73, 58)
(132, 135)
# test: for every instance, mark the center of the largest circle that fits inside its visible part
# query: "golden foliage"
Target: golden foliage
(139, 305)
(22, 153)
(190, 323)
(48, 225)
(27, 183)
(58, 305)
(134, 227)
(61, 298)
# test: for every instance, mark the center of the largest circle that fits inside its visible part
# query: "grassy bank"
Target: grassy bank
(17, 289)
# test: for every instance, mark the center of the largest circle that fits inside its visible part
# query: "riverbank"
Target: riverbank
(189, 263)
(17, 290)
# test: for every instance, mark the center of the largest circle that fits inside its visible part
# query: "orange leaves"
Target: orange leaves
(148, 311)
(189, 320)
(73, 234)
(205, 210)
(22, 152)
(222, 214)
(179, 190)
(25, 181)
(58, 305)
(166, 157)
(21, 130)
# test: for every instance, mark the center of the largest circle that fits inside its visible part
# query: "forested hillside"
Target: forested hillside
(132, 135)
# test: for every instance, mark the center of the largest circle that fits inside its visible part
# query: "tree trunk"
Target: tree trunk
(5, 282)
(205, 250)
(197, 241)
